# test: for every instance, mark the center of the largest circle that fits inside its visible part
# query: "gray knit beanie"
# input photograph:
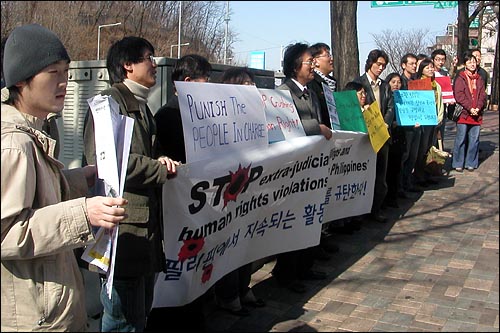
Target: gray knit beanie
(29, 49)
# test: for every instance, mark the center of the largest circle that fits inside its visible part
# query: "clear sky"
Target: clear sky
(269, 25)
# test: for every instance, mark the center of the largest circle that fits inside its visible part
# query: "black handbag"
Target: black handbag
(455, 112)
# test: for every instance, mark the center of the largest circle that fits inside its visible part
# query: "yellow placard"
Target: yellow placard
(377, 130)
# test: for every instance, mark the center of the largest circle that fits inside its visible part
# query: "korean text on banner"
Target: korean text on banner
(415, 106)
(222, 213)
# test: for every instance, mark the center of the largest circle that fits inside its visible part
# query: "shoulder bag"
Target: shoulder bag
(454, 113)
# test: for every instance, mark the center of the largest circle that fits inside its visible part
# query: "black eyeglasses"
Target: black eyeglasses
(328, 55)
(150, 58)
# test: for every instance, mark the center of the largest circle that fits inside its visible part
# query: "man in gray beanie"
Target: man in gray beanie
(45, 214)
(28, 50)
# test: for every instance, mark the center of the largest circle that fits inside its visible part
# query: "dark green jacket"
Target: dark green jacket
(139, 250)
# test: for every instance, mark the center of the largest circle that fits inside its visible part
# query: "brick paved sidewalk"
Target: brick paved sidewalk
(433, 267)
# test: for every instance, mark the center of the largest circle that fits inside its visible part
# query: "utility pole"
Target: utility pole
(179, 39)
(227, 30)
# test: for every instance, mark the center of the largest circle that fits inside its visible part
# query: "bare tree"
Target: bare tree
(397, 43)
(464, 21)
(495, 82)
(343, 18)
(76, 23)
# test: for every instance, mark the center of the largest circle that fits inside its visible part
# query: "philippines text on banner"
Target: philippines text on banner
(222, 213)
(351, 177)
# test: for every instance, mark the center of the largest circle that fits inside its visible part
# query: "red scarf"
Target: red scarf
(471, 79)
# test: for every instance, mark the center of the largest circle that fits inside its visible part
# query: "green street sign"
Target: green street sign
(436, 4)
(474, 23)
(445, 4)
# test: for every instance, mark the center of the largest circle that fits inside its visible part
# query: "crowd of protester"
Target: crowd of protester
(47, 212)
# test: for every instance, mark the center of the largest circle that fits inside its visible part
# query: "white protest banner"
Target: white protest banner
(351, 176)
(218, 119)
(283, 121)
(113, 135)
(220, 214)
(332, 107)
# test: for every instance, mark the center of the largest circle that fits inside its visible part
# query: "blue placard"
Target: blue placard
(415, 106)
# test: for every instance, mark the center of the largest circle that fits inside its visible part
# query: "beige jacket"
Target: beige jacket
(42, 287)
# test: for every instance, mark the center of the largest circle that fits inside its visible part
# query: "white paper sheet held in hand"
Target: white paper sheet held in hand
(113, 135)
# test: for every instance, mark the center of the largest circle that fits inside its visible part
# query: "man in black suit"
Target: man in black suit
(298, 68)
(378, 90)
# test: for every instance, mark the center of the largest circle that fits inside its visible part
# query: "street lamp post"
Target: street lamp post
(99, 34)
(179, 51)
(180, 26)
(226, 31)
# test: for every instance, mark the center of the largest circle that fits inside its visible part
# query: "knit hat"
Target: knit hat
(28, 50)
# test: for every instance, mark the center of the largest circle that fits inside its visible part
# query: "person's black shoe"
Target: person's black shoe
(329, 247)
(321, 254)
(313, 275)
(297, 287)
(392, 203)
(403, 195)
(242, 312)
(423, 183)
(431, 181)
(345, 230)
(378, 217)
(358, 219)
(355, 224)
(415, 189)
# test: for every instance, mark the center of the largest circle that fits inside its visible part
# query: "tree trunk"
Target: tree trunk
(463, 30)
(344, 44)
(495, 82)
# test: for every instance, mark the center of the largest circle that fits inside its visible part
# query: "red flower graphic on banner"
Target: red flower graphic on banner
(191, 248)
(207, 273)
(238, 181)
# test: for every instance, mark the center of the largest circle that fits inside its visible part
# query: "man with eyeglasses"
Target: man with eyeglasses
(139, 251)
(378, 90)
(323, 73)
(298, 65)
(412, 133)
(323, 69)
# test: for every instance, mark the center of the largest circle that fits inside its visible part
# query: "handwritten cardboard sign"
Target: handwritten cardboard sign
(423, 84)
(349, 111)
(415, 106)
(377, 129)
(220, 118)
